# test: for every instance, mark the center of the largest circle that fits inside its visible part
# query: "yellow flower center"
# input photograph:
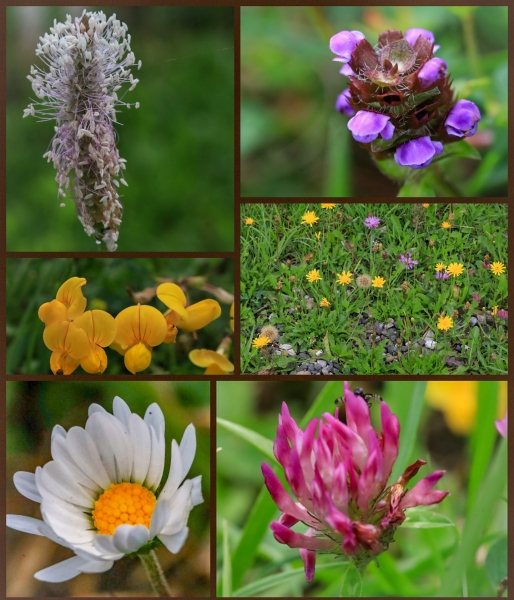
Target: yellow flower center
(123, 504)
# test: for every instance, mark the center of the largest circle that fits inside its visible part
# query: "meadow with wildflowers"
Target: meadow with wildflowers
(318, 500)
(330, 289)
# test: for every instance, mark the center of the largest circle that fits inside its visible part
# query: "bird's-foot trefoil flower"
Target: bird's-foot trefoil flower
(98, 495)
(69, 345)
(339, 475)
(69, 303)
(100, 328)
(88, 60)
(139, 329)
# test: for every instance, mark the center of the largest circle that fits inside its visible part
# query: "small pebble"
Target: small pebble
(430, 344)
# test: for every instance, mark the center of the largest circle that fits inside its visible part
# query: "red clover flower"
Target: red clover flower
(339, 478)
(88, 60)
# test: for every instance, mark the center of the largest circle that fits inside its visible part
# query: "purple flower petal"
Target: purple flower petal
(346, 70)
(501, 425)
(390, 438)
(462, 120)
(421, 494)
(411, 35)
(343, 103)
(431, 71)
(417, 153)
(287, 536)
(309, 558)
(366, 126)
(343, 44)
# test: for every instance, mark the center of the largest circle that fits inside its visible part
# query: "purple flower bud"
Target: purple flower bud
(366, 126)
(411, 35)
(343, 103)
(462, 120)
(417, 153)
(343, 44)
(431, 71)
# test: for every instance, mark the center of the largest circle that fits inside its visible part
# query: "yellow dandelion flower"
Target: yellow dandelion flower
(444, 323)
(378, 282)
(440, 267)
(318, 235)
(260, 341)
(426, 205)
(328, 206)
(344, 278)
(494, 310)
(249, 221)
(313, 276)
(497, 268)
(309, 218)
(455, 269)
(324, 302)
(446, 224)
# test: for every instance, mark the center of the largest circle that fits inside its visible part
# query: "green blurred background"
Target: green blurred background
(294, 143)
(33, 409)
(34, 281)
(179, 145)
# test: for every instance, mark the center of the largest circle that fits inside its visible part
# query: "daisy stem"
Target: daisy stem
(155, 574)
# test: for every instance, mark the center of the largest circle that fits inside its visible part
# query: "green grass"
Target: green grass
(436, 550)
(278, 250)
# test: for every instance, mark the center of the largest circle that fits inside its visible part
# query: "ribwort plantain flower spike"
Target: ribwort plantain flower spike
(88, 60)
(399, 96)
(340, 480)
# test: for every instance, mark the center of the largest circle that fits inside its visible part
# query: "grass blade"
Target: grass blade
(226, 581)
(256, 439)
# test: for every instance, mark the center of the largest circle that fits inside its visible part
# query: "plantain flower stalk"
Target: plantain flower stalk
(86, 60)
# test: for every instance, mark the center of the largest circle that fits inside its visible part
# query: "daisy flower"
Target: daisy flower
(324, 303)
(344, 278)
(446, 225)
(372, 222)
(313, 275)
(455, 269)
(497, 268)
(98, 496)
(249, 221)
(261, 341)
(440, 267)
(378, 282)
(309, 218)
(444, 323)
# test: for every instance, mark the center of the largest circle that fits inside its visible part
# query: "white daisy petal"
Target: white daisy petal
(95, 408)
(121, 411)
(97, 566)
(188, 449)
(58, 431)
(180, 507)
(175, 476)
(160, 517)
(142, 448)
(196, 491)
(61, 455)
(54, 478)
(84, 452)
(67, 522)
(175, 542)
(25, 524)
(114, 447)
(129, 538)
(155, 418)
(25, 483)
(63, 571)
(156, 467)
(104, 544)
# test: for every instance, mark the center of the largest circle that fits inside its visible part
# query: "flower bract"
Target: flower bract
(98, 495)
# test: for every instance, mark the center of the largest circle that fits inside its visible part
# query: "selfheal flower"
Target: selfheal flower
(343, 104)
(344, 43)
(411, 35)
(88, 60)
(98, 494)
(432, 71)
(417, 153)
(340, 480)
(440, 275)
(366, 126)
(462, 120)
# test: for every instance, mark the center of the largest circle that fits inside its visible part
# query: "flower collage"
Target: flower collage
(218, 385)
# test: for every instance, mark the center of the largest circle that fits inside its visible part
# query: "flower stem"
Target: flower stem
(155, 574)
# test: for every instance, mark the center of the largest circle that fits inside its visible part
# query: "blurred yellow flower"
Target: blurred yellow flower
(344, 278)
(249, 221)
(458, 402)
(455, 269)
(446, 225)
(313, 275)
(440, 267)
(318, 235)
(425, 205)
(231, 314)
(378, 282)
(260, 341)
(309, 218)
(497, 268)
(444, 323)
(213, 362)
(324, 303)
(328, 206)
(494, 310)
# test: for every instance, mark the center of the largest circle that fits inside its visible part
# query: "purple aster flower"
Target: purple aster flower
(440, 275)
(476, 297)
(371, 222)
(366, 126)
(411, 35)
(343, 103)
(501, 425)
(417, 153)
(340, 479)
(343, 44)
(462, 120)
(431, 71)
(407, 260)
(502, 314)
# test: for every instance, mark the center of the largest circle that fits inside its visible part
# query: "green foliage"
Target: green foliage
(294, 144)
(32, 282)
(428, 556)
(278, 250)
(179, 145)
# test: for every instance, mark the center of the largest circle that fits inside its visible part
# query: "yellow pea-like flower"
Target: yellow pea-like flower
(139, 328)
(213, 362)
(100, 328)
(70, 294)
(232, 317)
(69, 344)
(52, 312)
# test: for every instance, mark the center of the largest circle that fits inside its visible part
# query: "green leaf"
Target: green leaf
(256, 439)
(256, 587)
(426, 519)
(324, 402)
(416, 189)
(496, 562)
(226, 582)
(459, 150)
(352, 583)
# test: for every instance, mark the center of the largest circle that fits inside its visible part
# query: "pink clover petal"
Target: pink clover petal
(501, 425)
(411, 471)
(340, 489)
(390, 439)
(281, 448)
(309, 562)
(350, 440)
(370, 480)
(289, 424)
(420, 494)
(296, 480)
(357, 417)
(343, 44)
(293, 539)
(306, 450)
(288, 520)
